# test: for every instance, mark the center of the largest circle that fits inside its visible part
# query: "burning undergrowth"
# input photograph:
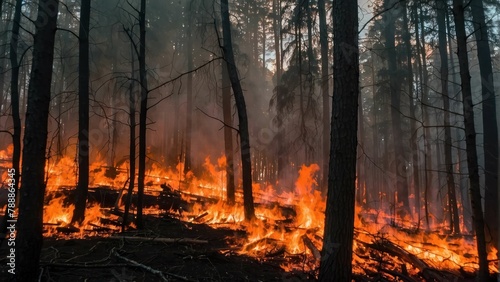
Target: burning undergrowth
(288, 225)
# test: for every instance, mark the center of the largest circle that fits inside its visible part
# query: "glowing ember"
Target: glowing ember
(287, 223)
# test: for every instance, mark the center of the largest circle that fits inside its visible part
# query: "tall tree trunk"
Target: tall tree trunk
(461, 153)
(395, 90)
(246, 163)
(264, 39)
(442, 8)
(131, 109)
(323, 40)
(470, 139)
(339, 216)
(228, 134)
(490, 129)
(83, 115)
(30, 224)
(14, 100)
(310, 53)
(280, 136)
(189, 104)
(413, 126)
(2, 54)
(298, 46)
(424, 77)
(375, 191)
(361, 195)
(143, 114)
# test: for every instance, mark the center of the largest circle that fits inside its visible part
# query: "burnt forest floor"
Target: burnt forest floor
(102, 258)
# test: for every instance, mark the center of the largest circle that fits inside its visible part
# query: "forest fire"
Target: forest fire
(287, 224)
(320, 140)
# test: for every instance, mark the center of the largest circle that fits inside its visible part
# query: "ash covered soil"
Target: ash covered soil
(100, 258)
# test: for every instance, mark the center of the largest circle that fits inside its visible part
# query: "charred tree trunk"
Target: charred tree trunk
(143, 114)
(361, 194)
(14, 100)
(336, 256)
(458, 132)
(413, 126)
(443, 52)
(395, 90)
(3, 48)
(131, 109)
(323, 40)
(83, 115)
(280, 136)
(189, 103)
(490, 129)
(470, 139)
(424, 77)
(246, 164)
(228, 134)
(29, 227)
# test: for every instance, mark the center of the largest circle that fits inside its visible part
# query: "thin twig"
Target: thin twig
(217, 119)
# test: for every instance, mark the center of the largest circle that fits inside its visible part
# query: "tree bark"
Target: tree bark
(3, 42)
(490, 129)
(14, 100)
(470, 139)
(323, 40)
(83, 115)
(339, 217)
(413, 126)
(29, 227)
(143, 114)
(228, 134)
(132, 145)
(443, 52)
(280, 136)
(246, 163)
(189, 103)
(395, 90)
(424, 78)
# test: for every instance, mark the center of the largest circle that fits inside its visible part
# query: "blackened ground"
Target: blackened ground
(92, 259)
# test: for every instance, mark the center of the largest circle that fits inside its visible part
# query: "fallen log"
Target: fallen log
(68, 229)
(428, 272)
(263, 241)
(162, 240)
(309, 244)
(98, 228)
(51, 224)
(199, 217)
(276, 252)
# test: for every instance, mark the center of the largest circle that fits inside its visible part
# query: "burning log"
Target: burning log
(163, 240)
(197, 218)
(263, 241)
(427, 272)
(51, 224)
(68, 229)
(309, 244)
(98, 228)
(276, 252)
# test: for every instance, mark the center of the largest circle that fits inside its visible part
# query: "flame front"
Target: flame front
(289, 223)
